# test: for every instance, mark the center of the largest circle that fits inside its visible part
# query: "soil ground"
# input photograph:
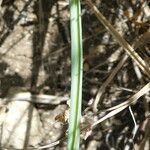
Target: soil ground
(35, 56)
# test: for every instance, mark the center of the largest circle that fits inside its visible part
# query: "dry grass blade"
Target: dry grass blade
(131, 52)
(142, 40)
(49, 145)
(134, 98)
(17, 94)
(105, 84)
(116, 109)
(109, 115)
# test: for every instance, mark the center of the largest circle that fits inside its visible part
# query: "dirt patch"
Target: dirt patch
(35, 55)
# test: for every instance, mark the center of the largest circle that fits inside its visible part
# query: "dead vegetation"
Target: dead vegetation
(35, 74)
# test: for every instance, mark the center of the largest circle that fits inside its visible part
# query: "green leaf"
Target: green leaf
(76, 75)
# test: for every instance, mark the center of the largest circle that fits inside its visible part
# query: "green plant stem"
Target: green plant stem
(76, 75)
